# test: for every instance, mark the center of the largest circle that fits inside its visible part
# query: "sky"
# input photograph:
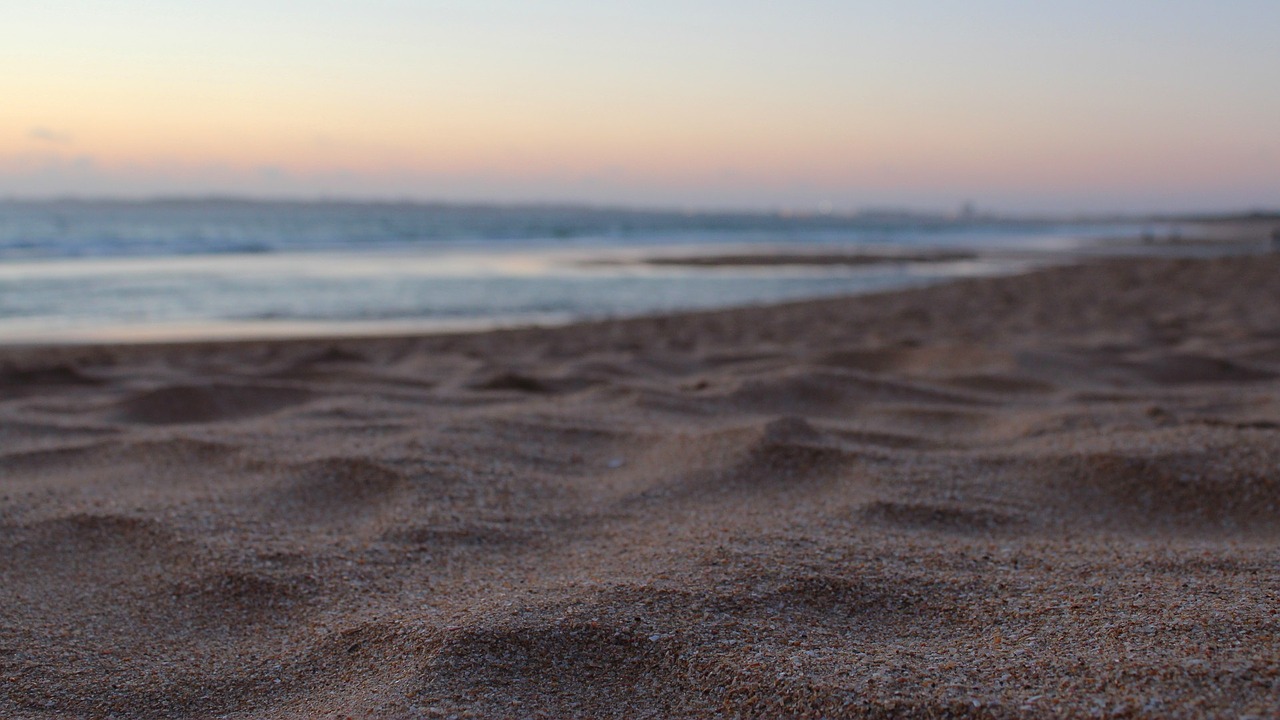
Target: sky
(1050, 106)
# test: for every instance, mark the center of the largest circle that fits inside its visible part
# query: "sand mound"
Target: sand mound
(333, 492)
(81, 559)
(830, 392)
(938, 517)
(1185, 369)
(576, 665)
(768, 456)
(1218, 489)
(438, 537)
(786, 448)
(20, 382)
(518, 382)
(227, 600)
(139, 540)
(207, 403)
(511, 381)
(999, 384)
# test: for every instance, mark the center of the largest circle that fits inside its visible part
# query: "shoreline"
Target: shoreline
(426, 292)
(1231, 244)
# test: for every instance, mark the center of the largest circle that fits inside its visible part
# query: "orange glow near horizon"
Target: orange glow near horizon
(791, 106)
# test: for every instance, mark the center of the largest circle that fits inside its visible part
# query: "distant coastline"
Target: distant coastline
(964, 214)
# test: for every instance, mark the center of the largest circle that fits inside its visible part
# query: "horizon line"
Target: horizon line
(964, 210)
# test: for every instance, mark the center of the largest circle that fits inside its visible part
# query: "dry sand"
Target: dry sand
(1046, 495)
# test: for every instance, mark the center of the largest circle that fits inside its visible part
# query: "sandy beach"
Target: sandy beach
(1047, 495)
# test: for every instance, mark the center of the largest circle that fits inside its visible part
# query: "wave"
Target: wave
(79, 229)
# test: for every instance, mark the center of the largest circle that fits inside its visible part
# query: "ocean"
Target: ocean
(119, 271)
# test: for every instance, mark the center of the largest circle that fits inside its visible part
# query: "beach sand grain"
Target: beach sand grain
(1054, 494)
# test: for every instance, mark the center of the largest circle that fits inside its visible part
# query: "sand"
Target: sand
(772, 258)
(1037, 496)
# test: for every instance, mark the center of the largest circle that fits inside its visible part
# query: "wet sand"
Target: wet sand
(1035, 496)
(774, 258)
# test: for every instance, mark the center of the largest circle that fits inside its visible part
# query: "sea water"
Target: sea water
(79, 271)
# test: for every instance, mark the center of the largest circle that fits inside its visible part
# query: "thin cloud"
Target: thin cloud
(49, 135)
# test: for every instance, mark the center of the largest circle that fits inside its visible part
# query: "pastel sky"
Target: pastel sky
(1061, 106)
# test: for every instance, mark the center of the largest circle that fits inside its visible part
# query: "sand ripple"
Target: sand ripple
(1042, 496)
